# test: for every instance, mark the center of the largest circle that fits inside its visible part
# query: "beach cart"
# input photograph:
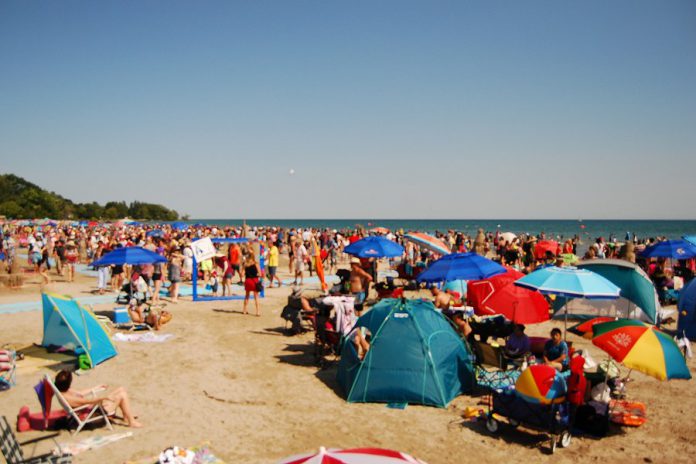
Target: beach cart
(537, 402)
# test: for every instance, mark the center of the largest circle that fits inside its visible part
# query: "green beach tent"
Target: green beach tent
(415, 356)
(637, 300)
(67, 324)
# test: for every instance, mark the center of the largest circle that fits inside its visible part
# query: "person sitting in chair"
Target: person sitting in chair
(556, 351)
(110, 401)
(517, 344)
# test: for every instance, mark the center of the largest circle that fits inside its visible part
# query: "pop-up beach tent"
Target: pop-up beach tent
(687, 311)
(415, 356)
(69, 325)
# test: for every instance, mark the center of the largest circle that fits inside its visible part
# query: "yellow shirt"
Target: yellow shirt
(273, 256)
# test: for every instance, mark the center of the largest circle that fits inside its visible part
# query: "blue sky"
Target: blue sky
(384, 109)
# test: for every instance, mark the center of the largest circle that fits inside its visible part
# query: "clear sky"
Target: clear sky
(383, 109)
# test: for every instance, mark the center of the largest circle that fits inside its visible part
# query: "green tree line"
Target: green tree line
(20, 199)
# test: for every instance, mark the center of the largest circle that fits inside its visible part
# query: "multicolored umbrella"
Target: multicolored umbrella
(467, 266)
(353, 456)
(429, 242)
(642, 347)
(540, 383)
(584, 329)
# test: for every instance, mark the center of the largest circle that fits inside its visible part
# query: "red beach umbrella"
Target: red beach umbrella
(478, 290)
(543, 246)
(353, 456)
(517, 304)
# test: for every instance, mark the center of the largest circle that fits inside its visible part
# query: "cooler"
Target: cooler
(121, 316)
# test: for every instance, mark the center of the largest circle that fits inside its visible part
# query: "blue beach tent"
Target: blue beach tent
(687, 311)
(67, 324)
(415, 356)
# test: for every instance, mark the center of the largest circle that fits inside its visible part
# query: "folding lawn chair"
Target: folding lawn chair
(82, 415)
(12, 451)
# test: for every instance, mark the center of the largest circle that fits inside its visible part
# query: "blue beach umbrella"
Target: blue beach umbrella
(374, 247)
(129, 255)
(464, 266)
(690, 238)
(569, 282)
(179, 225)
(154, 233)
(676, 249)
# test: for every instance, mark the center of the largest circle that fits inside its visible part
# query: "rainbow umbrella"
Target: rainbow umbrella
(642, 347)
(429, 242)
(352, 456)
(542, 384)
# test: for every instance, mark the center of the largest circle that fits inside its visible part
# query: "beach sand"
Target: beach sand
(255, 394)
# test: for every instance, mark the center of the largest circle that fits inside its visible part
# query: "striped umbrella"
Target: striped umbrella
(353, 456)
(429, 242)
(642, 347)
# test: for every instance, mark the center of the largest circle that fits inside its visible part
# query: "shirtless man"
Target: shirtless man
(359, 281)
(441, 300)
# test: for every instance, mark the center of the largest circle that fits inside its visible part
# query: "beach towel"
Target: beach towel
(147, 337)
(90, 443)
(345, 312)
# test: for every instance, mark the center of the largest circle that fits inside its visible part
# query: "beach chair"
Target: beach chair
(82, 415)
(492, 367)
(12, 450)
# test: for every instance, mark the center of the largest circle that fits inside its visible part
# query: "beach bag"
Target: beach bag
(259, 285)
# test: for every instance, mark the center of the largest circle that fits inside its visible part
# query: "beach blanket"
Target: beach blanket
(37, 359)
(175, 455)
(89, 443)
(147, 337)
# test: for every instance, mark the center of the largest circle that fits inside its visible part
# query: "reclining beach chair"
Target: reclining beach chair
(84, 414)
(12, 451)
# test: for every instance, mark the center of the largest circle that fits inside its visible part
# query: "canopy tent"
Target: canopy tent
(415, 357)
(637, 299)
(68, 324)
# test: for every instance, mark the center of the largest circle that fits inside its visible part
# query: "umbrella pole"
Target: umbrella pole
(565, 323)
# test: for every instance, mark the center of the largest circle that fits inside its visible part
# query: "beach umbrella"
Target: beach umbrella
(457, 285)
(690, 238)
(570, 282)
(467, 266)
(508, 236)
(541, 384)
(642, 347)
(154, 233)
(584, 329)
(179, 225)
(479, 290)
(374, 247)
(676, 249)
(352, 456)
(543, 246)
(429, 242)
(129, 255)
(517, 304)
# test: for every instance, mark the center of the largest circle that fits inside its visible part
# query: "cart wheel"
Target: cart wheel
(492, 425)
(565, 439)
(554, 441)
(514, 423)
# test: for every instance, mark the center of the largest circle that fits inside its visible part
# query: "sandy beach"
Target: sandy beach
(256, 396)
